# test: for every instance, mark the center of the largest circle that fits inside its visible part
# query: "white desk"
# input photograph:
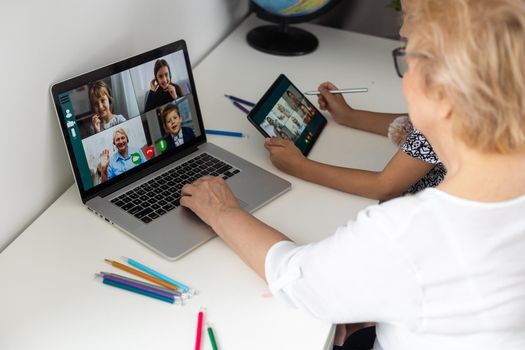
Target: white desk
(49, 299)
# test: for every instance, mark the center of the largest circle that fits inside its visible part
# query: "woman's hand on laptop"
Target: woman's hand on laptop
(209, 197)
(213, 201)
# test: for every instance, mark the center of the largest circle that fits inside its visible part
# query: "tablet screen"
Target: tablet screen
(284, 112)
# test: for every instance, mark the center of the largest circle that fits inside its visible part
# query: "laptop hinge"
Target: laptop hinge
(141, 174)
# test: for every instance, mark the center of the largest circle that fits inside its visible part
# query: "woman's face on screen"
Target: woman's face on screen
(121, 142)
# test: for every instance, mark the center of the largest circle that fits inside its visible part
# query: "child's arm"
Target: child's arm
(342, 113)
(399, 174)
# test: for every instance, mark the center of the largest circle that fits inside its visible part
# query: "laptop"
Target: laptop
(135, 135)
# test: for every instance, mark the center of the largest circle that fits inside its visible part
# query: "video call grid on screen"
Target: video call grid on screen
(286, 113)
(121, 114)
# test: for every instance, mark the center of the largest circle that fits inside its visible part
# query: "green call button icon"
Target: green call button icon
(135, 158)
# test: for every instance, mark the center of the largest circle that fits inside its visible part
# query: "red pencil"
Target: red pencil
(199, 331)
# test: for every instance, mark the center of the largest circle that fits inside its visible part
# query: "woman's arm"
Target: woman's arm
(212, 200)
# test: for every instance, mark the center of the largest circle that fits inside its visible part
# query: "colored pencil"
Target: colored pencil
(138, 291)
(137, 285)
(212, 338)
(141, 274)
(156, 274)
(240, 100)
(223, 133)
(199, 331)
(172, 292)
(242, 108)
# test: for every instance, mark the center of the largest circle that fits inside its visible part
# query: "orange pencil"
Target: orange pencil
(141, 274)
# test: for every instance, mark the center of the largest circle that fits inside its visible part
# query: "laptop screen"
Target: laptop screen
(129, 115)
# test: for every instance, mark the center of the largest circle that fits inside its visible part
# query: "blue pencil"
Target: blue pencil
(136, 285)
(238, 105)
(240, 100)
(138, 291)
(175, 293)
(224, 133)
(160, 276)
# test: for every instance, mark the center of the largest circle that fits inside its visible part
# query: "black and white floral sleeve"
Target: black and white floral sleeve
(417, 146)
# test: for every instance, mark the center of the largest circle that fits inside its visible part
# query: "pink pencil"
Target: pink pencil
(199, 331)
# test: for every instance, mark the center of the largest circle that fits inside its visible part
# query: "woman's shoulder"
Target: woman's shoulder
(398, 213)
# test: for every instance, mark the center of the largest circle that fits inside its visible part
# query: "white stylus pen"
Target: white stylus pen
(338, 91)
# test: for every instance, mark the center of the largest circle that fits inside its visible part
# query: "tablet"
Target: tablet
(285, 112)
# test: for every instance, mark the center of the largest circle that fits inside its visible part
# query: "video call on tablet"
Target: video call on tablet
(285, 112)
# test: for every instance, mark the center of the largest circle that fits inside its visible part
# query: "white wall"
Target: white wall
(364, 16)
(42, 42)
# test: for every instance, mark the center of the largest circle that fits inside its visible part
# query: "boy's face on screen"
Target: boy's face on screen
(172, 123)
(102, 107)
(163, 77)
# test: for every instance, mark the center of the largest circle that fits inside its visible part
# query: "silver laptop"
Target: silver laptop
(135, 135)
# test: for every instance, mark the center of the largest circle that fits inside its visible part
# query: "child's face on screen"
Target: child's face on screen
(102, 107)
(163, 77)
(172, 123)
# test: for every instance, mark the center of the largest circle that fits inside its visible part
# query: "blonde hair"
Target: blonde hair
(120, 131)
(474, 54)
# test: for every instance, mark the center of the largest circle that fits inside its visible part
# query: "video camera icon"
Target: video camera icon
(135, 158)
(71, 125)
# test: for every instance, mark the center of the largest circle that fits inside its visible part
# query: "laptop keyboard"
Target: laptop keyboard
(161, 194)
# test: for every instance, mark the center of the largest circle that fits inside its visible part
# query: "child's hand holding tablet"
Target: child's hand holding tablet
(285, 112)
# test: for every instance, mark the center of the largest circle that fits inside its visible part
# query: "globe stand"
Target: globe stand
(282, 40)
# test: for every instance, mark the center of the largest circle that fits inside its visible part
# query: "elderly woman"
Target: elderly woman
(445, 268)
(124, 158)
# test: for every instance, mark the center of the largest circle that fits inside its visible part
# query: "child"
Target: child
(413, 168)
(162, 90)
(172, 123)
(101, 101)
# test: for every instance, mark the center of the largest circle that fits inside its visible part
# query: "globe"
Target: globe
(282, 39)
(291, 7)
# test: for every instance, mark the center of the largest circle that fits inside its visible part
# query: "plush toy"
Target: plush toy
(399, 129)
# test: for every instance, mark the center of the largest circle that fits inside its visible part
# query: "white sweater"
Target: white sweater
(433, 270)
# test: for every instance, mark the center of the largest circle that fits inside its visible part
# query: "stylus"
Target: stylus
(339, 91)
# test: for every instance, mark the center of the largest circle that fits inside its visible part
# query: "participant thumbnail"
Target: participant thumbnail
(102, 104)
(160, 81)
(116, 150)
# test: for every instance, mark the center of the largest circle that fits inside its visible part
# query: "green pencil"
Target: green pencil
(212, 339)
